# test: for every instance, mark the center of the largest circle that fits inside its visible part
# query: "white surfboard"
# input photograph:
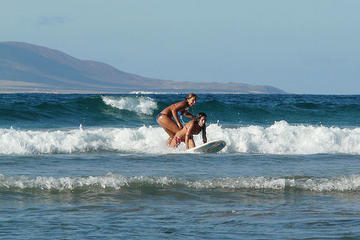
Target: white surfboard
(209, 147)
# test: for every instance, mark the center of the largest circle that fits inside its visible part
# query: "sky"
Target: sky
(304, 47)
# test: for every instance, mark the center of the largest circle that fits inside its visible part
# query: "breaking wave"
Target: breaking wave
(113, 182)
(141, 140)
(280, 138)
(138, 104)
(283, 138)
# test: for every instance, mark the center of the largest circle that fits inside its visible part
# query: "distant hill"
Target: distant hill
(30, 68)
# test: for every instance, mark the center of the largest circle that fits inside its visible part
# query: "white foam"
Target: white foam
(109, 181)
(138, 104)
(338, 184)
(139, 140)
(62, 184)
(116, 182)
(280, 138)
(153, 93)
(142, 92)
(283, 138)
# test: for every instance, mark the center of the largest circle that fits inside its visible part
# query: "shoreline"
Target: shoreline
(133, 92)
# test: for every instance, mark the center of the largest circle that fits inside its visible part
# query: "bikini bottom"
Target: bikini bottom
(159, 115)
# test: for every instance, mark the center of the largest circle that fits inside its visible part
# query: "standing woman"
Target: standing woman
(168, 118)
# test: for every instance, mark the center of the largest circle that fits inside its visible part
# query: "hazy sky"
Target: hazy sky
(304, 46)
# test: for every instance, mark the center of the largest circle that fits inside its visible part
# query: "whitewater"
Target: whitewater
(114, 182)
(279, 138)
(77, 166)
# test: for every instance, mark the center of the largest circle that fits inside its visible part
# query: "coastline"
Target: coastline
(130, 92)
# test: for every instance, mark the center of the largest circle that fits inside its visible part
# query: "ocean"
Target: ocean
(75, 166)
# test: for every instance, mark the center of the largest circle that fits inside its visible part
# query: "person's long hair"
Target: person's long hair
(197, 119)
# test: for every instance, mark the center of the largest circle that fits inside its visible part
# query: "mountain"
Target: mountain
(26, 67)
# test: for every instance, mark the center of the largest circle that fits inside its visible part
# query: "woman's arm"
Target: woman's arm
(174, 111)
(190, 127)
(189, 115)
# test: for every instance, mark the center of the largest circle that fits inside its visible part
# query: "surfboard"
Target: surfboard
(209, 147)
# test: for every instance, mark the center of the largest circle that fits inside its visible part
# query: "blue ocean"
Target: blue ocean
(75, 166)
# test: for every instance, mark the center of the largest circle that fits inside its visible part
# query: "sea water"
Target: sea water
(96, 167)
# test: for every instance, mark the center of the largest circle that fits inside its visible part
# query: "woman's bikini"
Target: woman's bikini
(159, 115)
(179, 140)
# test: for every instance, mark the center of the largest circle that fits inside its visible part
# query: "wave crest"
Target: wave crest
(280, 138)
(137, 104)
(118, 182)
(283, 138)
(139, 140)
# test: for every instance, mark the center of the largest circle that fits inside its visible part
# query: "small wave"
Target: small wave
(138, 104)
(145, 92)
(118, 182)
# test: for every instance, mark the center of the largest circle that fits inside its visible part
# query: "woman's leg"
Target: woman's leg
(191, 143)
(171, 136)
(173, 142)
(170, 127)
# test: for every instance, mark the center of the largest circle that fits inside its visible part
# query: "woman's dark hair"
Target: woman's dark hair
(200, 114)
(190, 95)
